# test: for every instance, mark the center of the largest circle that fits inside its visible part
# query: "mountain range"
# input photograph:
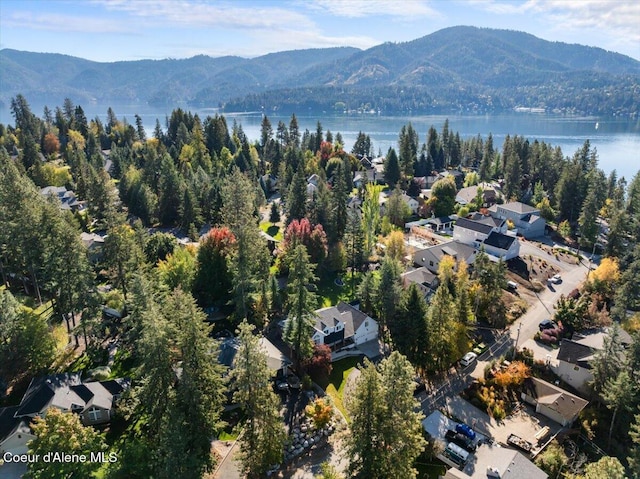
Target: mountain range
(457, 69)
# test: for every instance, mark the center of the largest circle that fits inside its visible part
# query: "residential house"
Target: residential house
(552, 401)
(370, 175)
(94, 402)
(457, 175)
(575, 356)
(354, 203)
(67, 198)
(14, 432)
(442, 223)
(277, 362)
(426, 281)
(94, 244)
(472, 232)
(525, 218)
(502, 246)
(342, 325)
(412, 203)
(430, 257)
(468, 195)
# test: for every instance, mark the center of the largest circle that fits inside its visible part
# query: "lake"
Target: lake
(616, 140)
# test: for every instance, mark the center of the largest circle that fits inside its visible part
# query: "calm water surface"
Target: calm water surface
(617, 141)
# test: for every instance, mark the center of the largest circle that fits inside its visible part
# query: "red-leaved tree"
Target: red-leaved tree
(213, 280)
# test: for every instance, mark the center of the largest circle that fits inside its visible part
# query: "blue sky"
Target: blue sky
(111, 30)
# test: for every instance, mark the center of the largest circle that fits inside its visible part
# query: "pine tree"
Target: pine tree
(297, 197)
(392, 172)
(274, 214)
(263, 437)
(409, 331)
(338, 205)
(301, 306)
(388, 296)
(386, 432)
(370, 217)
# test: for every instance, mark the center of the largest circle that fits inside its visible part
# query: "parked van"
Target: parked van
(512, 285)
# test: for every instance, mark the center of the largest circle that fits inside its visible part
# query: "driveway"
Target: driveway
(543, 307)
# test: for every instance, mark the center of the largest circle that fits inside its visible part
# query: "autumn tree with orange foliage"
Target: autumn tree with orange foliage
(512, 376)
(320, 412)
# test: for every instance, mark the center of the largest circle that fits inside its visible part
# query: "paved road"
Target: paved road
(526, 326)
(572, 277)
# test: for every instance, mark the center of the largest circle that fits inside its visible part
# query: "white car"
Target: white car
(468, 359)
(555, 279)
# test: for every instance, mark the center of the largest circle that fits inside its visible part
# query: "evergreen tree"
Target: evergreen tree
(250, 258)
(263, 437)
(409, 331)
(297, 197)
(367, 292)
(408, 149)
(338, 205)
(274, 214)
(392, 170)
(388, 296)
(386, 432)
(634, 457)
(606, 363)
(370, 217)
(195, 412)
(301, 306)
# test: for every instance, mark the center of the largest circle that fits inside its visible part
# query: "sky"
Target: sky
(113, 30)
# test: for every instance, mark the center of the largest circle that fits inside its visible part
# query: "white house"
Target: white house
(576, 354)
(502, 246)
(526, 218)
(553, 402)
(341, 325)
(468, 195)
(471, 232)
(14, 432)
(412, 203)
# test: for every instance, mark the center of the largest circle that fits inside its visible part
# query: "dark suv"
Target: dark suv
(546, 324)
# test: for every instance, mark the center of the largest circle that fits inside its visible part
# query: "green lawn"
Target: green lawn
(271, 230)
(331, 294)
(334, 385)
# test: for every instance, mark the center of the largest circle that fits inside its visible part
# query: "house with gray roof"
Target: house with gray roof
(552, 401)
(502, 246)
(468, 195)
(525, 218)
(14, 432)
(67, 198)
(430, 257)
(343, 325)
(426, 281)
(94, 402)
(575, 356)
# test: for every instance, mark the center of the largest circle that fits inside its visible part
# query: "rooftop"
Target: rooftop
(555, 398)
(518, 207)
(498, 240)
(474, 225)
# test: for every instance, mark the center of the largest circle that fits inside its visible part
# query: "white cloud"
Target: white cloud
(406, 9)
(208, 15)
(62, 23)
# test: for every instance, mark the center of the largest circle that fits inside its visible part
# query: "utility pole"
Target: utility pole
(515, 348)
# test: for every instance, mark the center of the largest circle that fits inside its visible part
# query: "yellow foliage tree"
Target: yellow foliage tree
(395, 246)
(320, 411)
(607, 272)
(512, 376)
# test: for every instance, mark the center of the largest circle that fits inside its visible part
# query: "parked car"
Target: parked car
(468, 359)
(512, 285)
(461, 440)
(466, 430)
(555, 279)
(546, 324)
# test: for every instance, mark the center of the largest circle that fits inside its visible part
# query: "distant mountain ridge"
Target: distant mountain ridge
(454, 69)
